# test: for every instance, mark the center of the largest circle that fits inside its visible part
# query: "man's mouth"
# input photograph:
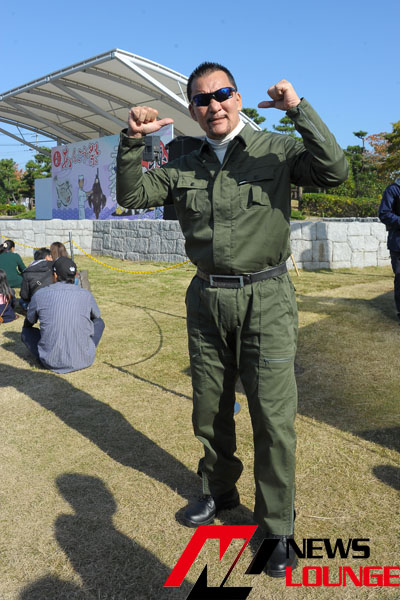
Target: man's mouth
(216, 119)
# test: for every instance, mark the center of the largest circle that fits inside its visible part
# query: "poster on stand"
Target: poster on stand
(84, 179)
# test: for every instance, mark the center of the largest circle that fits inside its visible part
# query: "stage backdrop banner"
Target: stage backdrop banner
(84, 179)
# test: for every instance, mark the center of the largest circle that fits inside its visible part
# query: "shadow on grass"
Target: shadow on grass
(389, 475)
(339, 411)
(148, 310)
(144, 380)
(383, 304)
(110, 564)
(106, 427)
(388, 437)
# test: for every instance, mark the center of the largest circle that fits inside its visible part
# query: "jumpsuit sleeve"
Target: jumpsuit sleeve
(136, 189)
(317, 160)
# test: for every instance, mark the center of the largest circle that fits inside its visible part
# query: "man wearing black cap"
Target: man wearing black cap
(70, 323)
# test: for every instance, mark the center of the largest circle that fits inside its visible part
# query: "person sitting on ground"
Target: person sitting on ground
(58, 249)
(70, 323)
(11, 263)
(38, 274)
(7, 300)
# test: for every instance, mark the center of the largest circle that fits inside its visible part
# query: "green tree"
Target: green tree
(391, 165)
(367, 182)
(9, 181)
(39, 168)
(287, 127)
(361, 135)
(347, 188)
(254, 115)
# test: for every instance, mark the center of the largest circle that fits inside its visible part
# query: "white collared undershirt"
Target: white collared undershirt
(220, 146)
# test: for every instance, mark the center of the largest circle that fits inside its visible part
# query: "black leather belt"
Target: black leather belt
(238, 281)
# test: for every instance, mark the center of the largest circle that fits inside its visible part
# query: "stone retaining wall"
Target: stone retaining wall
(325, 244)
(143, 239)
(339, 243)
(43, 233)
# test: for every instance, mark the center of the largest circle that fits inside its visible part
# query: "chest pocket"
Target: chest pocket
(255, 188)
(192, 196)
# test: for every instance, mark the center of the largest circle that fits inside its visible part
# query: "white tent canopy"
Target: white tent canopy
(91, 99)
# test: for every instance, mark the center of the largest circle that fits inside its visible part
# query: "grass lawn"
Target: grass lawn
(97, 466)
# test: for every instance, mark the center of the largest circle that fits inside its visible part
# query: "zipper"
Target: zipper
(311, 124)
(267, 361)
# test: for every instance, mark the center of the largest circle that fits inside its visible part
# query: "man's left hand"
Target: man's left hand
(283, 96)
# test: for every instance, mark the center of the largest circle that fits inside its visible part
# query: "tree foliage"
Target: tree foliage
(361, 135)
(254, 115)
(38, 168)
(365, 179)
(287, 127)
(391, 164)
(9, 180)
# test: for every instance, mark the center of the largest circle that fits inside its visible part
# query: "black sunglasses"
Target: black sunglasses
(219, 95)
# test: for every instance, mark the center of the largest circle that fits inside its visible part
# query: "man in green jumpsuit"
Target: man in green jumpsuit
(232, 199)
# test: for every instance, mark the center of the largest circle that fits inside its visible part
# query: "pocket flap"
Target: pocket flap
(190, 182)
(259, 174)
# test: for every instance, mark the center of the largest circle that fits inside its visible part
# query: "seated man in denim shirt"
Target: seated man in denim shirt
(70, 323)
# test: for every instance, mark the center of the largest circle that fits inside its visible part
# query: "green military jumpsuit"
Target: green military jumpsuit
(235, 219)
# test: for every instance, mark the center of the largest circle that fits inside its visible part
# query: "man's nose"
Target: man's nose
(214, 106)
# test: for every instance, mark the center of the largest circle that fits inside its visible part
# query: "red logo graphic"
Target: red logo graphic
(57, 158)
(224, 533)
(308, 576)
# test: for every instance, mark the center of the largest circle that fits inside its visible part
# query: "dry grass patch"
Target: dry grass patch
(98, 465)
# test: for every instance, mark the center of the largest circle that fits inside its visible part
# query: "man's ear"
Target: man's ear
(192, 112)
(239, 100)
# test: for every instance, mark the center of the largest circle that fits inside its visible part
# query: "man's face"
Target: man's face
(217, 119)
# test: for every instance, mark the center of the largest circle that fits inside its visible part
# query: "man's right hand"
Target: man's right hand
(142, 120)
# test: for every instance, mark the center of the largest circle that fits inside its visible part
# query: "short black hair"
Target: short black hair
(41, 253)
(203, 69)
(6, 246)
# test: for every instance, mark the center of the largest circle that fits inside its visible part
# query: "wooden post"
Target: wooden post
(294, 264)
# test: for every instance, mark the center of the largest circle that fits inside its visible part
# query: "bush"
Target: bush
(329, 205)
(28, 214)
(297, 215)
(11, 209)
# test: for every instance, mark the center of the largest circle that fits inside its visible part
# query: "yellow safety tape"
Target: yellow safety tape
(102, 263)
(125, 270)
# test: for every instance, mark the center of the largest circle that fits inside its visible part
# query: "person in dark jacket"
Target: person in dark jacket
(37, 275)
(389, 214)
(12, 263)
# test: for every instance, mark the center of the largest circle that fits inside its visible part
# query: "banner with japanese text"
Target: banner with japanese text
(84, 178)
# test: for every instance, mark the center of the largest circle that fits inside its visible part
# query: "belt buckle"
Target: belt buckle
(237, 277)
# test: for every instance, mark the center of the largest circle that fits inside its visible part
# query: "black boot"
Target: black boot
(283, 556)
(205, 509)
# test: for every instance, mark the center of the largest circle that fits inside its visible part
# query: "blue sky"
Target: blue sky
(343, 56)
